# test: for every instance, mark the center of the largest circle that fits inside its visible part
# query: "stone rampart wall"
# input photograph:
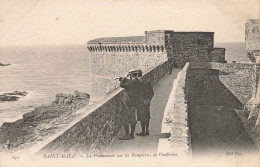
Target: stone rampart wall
(108, 65)
(95, 131)
(204, 87)
(223, 85)
(237, 78)
(218, 80)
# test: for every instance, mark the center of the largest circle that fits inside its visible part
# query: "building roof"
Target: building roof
(194, 32)
(118, 40)
(136, 39)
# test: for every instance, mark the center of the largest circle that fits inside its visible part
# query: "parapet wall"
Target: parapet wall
(235, 79)
(204, 87)
(95, 131)
(175, 119)
(108, 65)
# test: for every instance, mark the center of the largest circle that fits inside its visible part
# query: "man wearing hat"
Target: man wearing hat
(130, 100)
(143, 113)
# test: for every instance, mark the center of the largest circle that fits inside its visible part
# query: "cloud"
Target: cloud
(77, 21)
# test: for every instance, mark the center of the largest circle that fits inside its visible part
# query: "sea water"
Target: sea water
(41, 71)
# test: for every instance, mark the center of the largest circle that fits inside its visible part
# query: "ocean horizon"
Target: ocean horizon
(41, 71)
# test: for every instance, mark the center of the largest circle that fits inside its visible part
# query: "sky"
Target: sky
(58, 22)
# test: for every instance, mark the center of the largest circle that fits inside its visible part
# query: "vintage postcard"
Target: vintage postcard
(129, 83)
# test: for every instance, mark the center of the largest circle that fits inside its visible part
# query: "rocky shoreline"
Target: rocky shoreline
(13, 96)
(41, 121)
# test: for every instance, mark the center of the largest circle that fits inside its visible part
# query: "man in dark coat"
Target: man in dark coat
(130, 100)
(143, 113)
(170, 65)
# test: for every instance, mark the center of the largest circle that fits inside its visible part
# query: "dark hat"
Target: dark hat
(131, 72)
(140, 73)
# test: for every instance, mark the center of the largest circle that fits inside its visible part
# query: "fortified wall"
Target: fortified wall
(252, 37)
(219, 83)
(216, 94)
(250, 115)
(114, 57)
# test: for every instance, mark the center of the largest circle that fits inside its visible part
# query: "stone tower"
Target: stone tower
(252, 39)
(115, 56)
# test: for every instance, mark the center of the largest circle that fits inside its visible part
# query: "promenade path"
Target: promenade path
(148, 143)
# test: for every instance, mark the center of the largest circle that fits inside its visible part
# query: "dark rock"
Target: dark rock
(68, 99)
(18, 93)
(8, 98)
(81, 95)
(2, 65)
(13, 96)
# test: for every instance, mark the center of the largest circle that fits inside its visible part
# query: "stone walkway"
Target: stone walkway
(149, 143)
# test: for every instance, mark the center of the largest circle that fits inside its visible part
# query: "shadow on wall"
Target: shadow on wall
(203, 87)
(214, 125)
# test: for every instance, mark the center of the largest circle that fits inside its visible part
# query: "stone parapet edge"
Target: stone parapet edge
(92, 108)
(175, 120)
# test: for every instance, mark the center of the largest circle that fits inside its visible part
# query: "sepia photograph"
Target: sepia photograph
(129, 83)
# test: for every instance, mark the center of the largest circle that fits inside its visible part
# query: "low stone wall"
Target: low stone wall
(242, 80)
(221, 89)
(237, 78)
(95, 131)
(175, 119)
(232, 83)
